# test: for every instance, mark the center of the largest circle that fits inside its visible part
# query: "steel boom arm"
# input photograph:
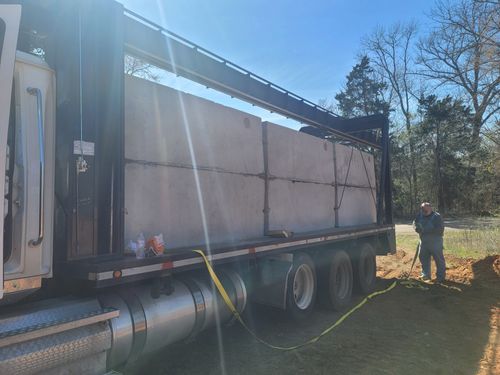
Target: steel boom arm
(169, 51)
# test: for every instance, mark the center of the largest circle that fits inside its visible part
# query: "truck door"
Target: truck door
(10, 16)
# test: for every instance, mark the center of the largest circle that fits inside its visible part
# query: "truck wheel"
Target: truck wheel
(337, 281)
(301, 287)
(365, 270)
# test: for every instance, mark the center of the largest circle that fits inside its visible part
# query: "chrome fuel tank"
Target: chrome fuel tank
(87, 336)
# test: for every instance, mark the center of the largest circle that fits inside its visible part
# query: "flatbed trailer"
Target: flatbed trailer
(116, 270)
(71, 298)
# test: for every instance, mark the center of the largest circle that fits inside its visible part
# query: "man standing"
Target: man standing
(429, 225)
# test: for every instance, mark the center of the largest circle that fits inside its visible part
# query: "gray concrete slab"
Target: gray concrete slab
(294, 155)
(357, 207)
(168, 126)
(357, 173)
(300, 207)
(165, 200)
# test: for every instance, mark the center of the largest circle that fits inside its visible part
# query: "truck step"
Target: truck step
(37, 330)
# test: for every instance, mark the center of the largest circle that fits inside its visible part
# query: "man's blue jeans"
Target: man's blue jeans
(436, 252)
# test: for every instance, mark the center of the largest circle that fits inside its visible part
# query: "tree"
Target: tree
(463, 51)
(401, 175)
(136, 67)
(362, 94)
(390, 50)
(444, 139)
(485, 194)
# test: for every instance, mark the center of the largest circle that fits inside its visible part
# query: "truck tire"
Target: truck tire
(336, 281)
(301, 287)
(365, 270)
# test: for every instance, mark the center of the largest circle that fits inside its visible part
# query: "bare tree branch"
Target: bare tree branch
(136, 67)
(390, 50)
(463, 50)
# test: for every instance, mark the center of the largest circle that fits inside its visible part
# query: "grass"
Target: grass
(465, 243)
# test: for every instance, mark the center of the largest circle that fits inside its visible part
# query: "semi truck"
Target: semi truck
(97, 162)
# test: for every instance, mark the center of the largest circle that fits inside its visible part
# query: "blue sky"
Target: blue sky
(307, 47)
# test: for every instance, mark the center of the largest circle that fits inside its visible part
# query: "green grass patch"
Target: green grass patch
(464, 243)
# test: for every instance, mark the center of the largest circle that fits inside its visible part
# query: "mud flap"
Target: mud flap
(269, 284)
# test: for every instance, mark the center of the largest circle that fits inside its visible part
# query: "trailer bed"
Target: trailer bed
(110, 270)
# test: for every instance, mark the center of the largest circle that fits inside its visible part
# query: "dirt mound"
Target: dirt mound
(459, 270)
(468, 271)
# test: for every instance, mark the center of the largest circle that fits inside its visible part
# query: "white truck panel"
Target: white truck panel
(26, 261)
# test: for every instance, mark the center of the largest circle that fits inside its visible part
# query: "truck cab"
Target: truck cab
(28, 132)
(28, 201)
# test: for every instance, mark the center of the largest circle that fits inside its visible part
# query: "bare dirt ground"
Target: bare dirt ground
(406, 331)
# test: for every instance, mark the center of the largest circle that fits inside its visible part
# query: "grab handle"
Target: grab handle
(38, 93)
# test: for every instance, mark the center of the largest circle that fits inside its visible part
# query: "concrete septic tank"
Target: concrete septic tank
(192, 164)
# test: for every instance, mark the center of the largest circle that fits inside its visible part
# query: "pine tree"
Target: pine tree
(444, 140)
(362, 95)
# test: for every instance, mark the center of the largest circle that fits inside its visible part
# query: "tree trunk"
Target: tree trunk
(413, 169)
(439, 177)
(477, 122)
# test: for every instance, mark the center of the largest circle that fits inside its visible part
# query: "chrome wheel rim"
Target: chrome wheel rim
(303, 286)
